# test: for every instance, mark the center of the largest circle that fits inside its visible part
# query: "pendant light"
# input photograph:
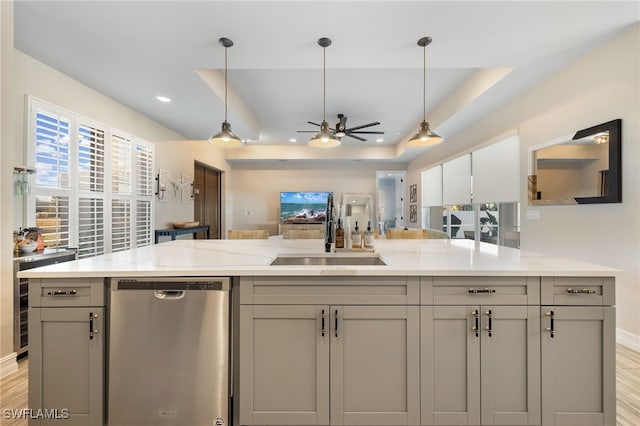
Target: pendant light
(225, 138)
(424, 137)
(324, 139)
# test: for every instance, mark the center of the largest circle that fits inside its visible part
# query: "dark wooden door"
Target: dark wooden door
(207, 199)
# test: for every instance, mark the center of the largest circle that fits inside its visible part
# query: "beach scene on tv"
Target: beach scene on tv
(303, 207)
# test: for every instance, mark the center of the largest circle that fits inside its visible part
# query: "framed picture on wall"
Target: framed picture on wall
(413, 213)
(413, 193)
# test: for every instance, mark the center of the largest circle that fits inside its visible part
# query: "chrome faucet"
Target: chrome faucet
(328, 231)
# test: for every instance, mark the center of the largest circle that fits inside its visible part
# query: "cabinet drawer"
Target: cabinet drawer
(584, 291)
(49, 292)
(329, 290)
(480, 290)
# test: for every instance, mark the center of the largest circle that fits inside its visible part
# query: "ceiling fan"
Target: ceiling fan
(341, 129)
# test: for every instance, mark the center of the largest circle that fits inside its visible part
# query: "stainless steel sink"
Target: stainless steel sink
(328, 260)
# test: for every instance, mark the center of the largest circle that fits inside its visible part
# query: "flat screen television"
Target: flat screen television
(303, 207)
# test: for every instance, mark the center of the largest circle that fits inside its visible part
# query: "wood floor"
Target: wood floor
(13, 389)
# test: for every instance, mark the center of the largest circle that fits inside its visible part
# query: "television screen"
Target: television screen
(303, 207)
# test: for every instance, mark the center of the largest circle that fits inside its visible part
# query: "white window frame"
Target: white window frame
(73, 192)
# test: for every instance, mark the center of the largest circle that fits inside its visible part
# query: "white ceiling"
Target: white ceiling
(133, 51)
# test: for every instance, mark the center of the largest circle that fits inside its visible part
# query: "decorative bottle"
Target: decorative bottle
(356, 238)
(339, 235)
(368, 237)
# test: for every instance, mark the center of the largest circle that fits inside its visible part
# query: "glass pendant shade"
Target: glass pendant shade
(324, 138)
(424, 137)
(225, 138)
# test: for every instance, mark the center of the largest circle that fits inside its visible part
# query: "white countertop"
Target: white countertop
(252, 257)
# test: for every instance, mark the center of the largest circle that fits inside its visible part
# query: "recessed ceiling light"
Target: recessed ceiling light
(163, 99)
(293, 140)
(379, 140)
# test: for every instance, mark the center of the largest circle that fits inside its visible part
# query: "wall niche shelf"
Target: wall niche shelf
(23, 170)
(21, 179)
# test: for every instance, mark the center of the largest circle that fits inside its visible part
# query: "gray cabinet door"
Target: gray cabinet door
(374, 365)
(284, 365)
(450, 365)
(510, 365)
(66, 370)
(578, 366)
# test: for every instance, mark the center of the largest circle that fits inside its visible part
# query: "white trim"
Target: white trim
(8, 364)
(630, 340)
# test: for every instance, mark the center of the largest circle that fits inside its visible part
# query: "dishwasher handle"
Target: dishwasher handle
(168, 294)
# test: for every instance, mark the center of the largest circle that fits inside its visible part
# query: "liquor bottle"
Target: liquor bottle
(368, 237)
(339, 235)
(356, 238)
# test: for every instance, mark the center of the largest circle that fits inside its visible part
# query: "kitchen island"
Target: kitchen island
(445, 332)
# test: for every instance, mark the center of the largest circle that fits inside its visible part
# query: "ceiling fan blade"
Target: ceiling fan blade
(356, 137)
(342, 124)
(364, 132)
(306, 131)
(375, 123)
(316, 124)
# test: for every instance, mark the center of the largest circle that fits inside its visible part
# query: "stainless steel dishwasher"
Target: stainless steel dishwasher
(169, 352)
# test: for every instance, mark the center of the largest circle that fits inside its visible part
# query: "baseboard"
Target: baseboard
(630, 340)
(8, 364)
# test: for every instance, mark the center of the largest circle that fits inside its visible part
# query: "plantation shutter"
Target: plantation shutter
(121, 165)
(120, 225)
(52, 150)
(52, 216)
(144, 194)
(90, 227)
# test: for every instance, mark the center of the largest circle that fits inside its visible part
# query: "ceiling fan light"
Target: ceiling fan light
(424, 137)
(324, 138)
(225, 138)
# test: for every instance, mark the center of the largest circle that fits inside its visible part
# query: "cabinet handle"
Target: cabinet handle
(336, 328)
(91, 331)
(476, 327)
(581, 291)
(551, 328)
(322, 329)
(481, 291)
(62, 293)
(489, 327)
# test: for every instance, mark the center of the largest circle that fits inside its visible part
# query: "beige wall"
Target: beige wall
(178, 159)
(41, 81)
(6, 187)
(256, 187)
(602, 85)
(21, 76)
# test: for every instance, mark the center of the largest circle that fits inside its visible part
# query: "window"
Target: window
(470, 197)
(78, 198)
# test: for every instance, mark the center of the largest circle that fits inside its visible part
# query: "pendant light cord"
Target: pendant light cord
(424, 83)
(324, 83)
(225, 83)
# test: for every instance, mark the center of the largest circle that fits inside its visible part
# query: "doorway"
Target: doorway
(207, 199)
(390, 199)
